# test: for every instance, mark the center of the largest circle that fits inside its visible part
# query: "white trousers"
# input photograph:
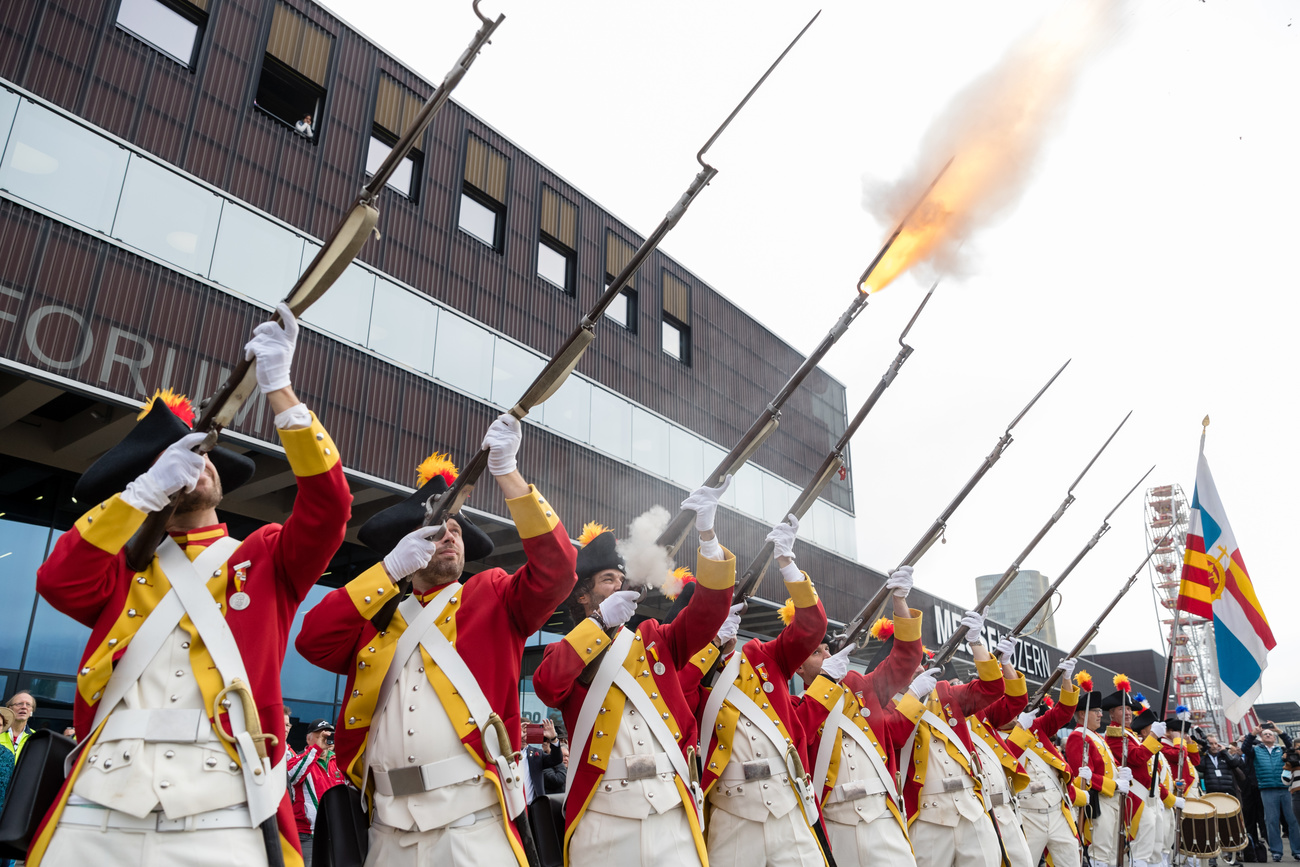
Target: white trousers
(1105, 830)
(783, 842)
(484, 842)
(970, 844)
(115, 847)
(1050, 831)
(880, 841)
(1013, 837)
(1150, 835)
(659, 840)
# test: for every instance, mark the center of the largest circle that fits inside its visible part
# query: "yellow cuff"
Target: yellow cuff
(1022, 737)
(1017, 685)
(310, 450)
(533, 515)
(588, 639)
(716, 574)
(802, 592)
(911, 707)
(1151, 743)
(111, 524)
(1069, 696)
(824, 691)
(989, 669)
(908, 628)
(1108, 787)
(371, 589)
(704, 659)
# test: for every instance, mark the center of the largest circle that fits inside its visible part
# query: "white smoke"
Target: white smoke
(648, 564)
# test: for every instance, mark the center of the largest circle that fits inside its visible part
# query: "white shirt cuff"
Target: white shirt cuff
(296, 416)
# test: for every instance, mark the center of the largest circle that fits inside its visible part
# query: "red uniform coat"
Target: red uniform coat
(674, 644)
(1141, 761)
(1191, 758)
(86, 577)
(490, 620)
(985, 724)
(1099, 760)
(1039, 738)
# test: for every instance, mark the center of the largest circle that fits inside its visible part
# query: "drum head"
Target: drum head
(1224, 804)
(1195, 808)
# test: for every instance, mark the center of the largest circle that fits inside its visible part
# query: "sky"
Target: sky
(1150, 237)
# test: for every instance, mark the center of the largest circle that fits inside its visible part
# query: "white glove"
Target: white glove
(1026, 720)
(837, 664)
(704, 502)
(900, 581)
(1159, 729)
(502, 440)
(924, 683)
(1085, 774)
(782, 536)
(1066, 668)
(272, 346)
(1124, 775)
(731, 626)
(1121, 786)
(412, 552)
(974, 623)
(619, 607)
(1006, 649)
(1179, 803)
(177, 469)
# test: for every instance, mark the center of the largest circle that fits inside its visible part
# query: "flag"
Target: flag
(1217, 586)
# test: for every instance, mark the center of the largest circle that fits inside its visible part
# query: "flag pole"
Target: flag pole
(1178, 612)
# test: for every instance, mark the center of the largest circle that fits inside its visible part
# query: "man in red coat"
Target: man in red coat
(1094, 769)
(630, 798)
(179, 688)
(1135, 752)
(430, 725)
(854, 735)
(763, 810)
(1002, 775)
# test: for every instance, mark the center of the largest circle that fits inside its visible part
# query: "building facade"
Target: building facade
(1016, 601)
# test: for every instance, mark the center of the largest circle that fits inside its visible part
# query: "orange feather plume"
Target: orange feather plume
(436, 464)
(882, 628)
(1121, 682)
(591, 530)
(179, 404)
(677, 582)
(786, 612)
(1084, 681)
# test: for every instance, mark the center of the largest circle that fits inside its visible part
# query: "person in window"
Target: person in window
(303, 127)
(21, 705)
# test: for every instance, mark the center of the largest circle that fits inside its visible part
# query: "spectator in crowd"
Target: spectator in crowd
(70, 732)
(23, 705)
(1217, 765)
(539, 759)
(303, 127)
(1292, 763)
(1264, 760)
(6, 757)
(554, 778)
(311, 773)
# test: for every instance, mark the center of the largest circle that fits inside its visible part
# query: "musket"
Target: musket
(333, 258)
(1091, 632)
(833, 461)
(563, 362)
(950, 646)
(1092, 543)
(856, 627)
(766, 423)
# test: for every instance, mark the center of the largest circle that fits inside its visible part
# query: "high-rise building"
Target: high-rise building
(1014, 603)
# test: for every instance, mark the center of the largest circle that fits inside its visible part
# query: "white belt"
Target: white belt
(754, 769)
(855, 790)
(947, 784)
(166, 725)
(1135, 786)
(638, 767)
(104, 818)
(426, 778)
(478, 816)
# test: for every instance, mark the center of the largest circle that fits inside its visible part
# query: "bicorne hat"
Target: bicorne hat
(164, 420)
(599, 552)
(433, 476)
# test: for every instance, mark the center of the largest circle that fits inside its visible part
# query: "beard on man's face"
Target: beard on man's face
(201, 498)
(441, 571)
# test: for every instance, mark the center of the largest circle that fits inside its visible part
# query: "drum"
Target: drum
(1200, 834)
(1231, 824)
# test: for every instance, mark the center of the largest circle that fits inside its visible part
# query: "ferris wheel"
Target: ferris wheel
(1195, 675)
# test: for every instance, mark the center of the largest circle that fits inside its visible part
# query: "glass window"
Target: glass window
(56, 641)
(513, 370)
(402, 179)
(403, 326)
(463, 356)
(168, 216)
(254, 256)
(671, 339)
(650, 442)
(569, 409)
(8, 108)
(776, 503)
(823, 529)
(712, 457)
(52, 162)
(301, 679)
(618, 308)
(748, 485)
(345, 310)
(687, 453)
(162, 27)
(22, 550)
(553, 266)
(846, 536)
(611, 423)
(478, 220)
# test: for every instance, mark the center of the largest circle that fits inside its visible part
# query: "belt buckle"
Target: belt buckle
(854, 790)
(757, 769)
(997, 799)
(641, 767)
(952, 784)
(163, 825)
(406, 781)
(1035, 788)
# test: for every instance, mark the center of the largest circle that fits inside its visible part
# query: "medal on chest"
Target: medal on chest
(952, 719)
(768, 686)
(239, 600)
(659, 668)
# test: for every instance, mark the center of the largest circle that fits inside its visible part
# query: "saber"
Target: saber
(333, 258)
(765, 425)
(950, 646)
(753, 576)
(855, 631)
(1092, 543)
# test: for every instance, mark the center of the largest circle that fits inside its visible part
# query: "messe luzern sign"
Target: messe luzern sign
(1035, 659)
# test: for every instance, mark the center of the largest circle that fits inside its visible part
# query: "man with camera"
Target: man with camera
(1217, 765)
(1265, 752)
(311, 772)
